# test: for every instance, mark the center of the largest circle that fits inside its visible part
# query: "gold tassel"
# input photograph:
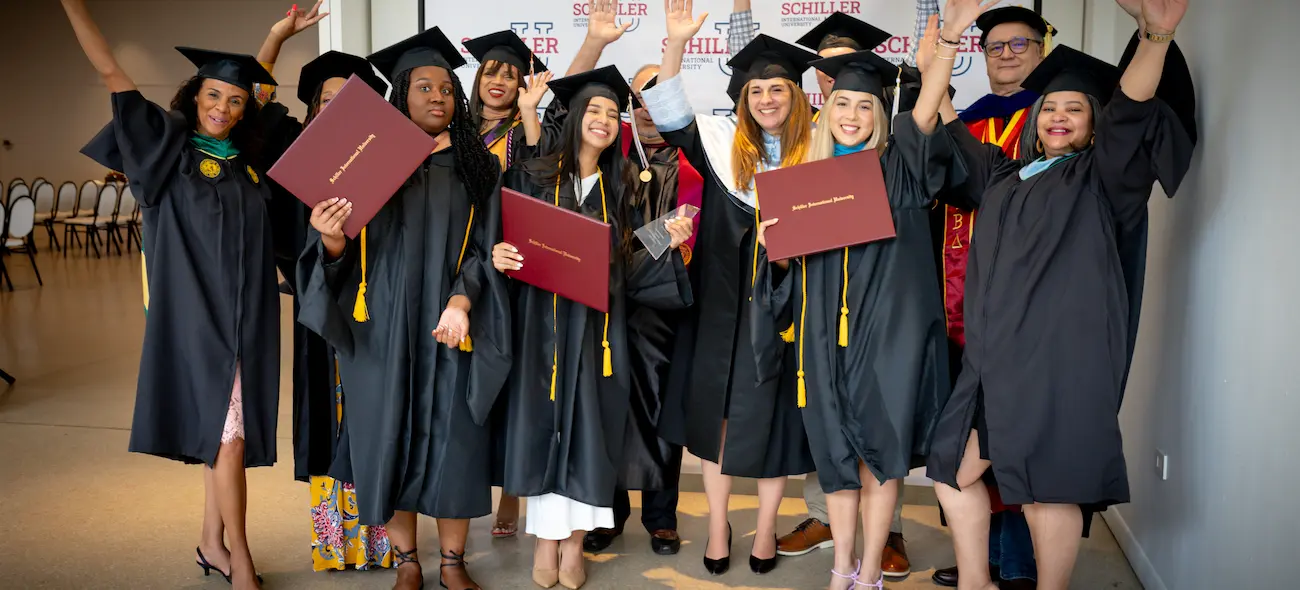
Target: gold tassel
(844, 304)
(787, 335)
(803, 314)
(554, 370)
(803, 391)
(555, 330)
(467, 345)
(609, 360)
(1047, 40)
(604, 213)
(360, 312)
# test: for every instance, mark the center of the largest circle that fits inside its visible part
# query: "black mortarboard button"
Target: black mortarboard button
(335, 64)
(505, 47)
(430, 48)
(1068, 69)
(860, 71)
(1012, 14)
(767, 57)
(606, 81)
(239, 69)
(841, 25)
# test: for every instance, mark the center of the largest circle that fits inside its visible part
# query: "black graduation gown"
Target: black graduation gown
(212, 287)
(649, 461)
(410, 439)
(315, 418)
(713, 375)
(876, 400)
(1047, 309)
(573, 446)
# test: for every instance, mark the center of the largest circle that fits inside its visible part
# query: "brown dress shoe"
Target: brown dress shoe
(810, 535)
(893, 561)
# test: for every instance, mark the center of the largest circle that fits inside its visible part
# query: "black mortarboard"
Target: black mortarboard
(239, 69)
(768, 57)
(505, 47)
(1069, 69)
(430, 48)
(843, 25)
(910, 90)
(1013, 14)
(861, 71)
(606, 81)
(335, 64)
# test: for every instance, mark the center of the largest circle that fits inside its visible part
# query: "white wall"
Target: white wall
(54, 102)
(1213, 382)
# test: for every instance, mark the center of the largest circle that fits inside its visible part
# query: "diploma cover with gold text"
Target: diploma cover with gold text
(825, 205)
(360, 148)
(564, 252)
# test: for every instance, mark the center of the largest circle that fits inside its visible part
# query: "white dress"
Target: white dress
(554, 517)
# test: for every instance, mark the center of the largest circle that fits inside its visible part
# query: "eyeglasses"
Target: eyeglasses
(1018, 46)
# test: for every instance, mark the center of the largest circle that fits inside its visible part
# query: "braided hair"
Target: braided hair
(476, 167)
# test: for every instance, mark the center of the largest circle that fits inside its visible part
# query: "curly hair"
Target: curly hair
(476, 167)
(247, 133)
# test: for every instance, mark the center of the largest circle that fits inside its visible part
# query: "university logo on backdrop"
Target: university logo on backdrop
(628, 12)
(806, 15)
(707, 51)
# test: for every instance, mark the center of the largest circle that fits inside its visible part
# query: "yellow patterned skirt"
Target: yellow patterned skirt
(338, 539)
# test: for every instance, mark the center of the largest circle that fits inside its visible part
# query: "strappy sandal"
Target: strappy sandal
(879, 583)
(853, 577)
(457, 560)
(504, 530)
(208, 568)
(401, 558)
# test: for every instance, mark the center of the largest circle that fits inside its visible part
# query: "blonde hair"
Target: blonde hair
(823, 140)
(747, 149)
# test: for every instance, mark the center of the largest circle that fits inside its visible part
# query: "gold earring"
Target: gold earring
(1039, 145)
(1093, 141)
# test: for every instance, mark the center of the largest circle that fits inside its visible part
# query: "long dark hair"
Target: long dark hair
(490, 68)
(474, 164)
(247, 134)
(560, 162)
(313, 108)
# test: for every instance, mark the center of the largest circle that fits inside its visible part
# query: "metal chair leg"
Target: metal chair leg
(31, 255)
(7, 377)
(4, 272)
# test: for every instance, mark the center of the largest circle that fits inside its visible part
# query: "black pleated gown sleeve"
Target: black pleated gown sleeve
(212, 288)
(411, 440)
(1047, 310)
(714, 377)
(573, 445)
(874, 393)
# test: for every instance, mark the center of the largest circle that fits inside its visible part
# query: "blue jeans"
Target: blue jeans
(1010, 546)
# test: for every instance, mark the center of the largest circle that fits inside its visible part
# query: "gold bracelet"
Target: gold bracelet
(948, 58)
(1158, 37)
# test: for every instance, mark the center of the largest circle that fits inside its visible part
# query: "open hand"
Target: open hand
(453, 326)
(961, 14)
(925, 51)
(298, 20)
(682, 26)
(506, 257)
(680, 228)
(601, 25)
(530, 97)
(1163, 16)
(328, 217)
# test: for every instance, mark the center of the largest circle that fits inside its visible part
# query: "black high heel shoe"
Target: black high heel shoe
(761, 566)
(208, 568)
(718, 567)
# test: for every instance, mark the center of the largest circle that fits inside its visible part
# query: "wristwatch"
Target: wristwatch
(1158, 37)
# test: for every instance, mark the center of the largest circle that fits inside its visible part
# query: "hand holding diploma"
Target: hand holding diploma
(506, 257)
(328, 217)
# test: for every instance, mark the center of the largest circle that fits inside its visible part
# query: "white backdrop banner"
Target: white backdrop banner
(554, 29)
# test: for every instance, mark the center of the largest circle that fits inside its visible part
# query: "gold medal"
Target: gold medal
(210, 168)
(686, 253)
(645, 175)
(252, 175)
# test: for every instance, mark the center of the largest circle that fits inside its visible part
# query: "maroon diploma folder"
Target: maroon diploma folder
(360, 148)
(564, 252)
(825, 205)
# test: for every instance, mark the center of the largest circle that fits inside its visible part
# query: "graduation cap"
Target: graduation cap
(860, 71)
(430, 48)
(823, 36)
(606, 81)
(335, 64)
(1014, 14)
(505, 47)
(239, 69)
(767, 57)
(1069, 69)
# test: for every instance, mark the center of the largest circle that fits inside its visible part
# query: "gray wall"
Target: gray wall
(1213, 382)
(54, 102)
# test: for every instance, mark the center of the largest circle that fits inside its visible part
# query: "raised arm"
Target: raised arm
(961, 14)
(601, 31)
(96, 48)
(1142, 77)
(529, 98)
(295, 21)
(929, 35)
(681, 28)
(741, 30)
